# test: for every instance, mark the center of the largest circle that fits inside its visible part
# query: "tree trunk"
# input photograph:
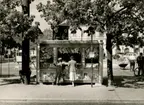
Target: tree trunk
(25, 61)
(25, 49)
(54, 35)
(109, 59)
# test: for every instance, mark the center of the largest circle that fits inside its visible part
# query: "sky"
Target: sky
(43, 23)
(33, 11)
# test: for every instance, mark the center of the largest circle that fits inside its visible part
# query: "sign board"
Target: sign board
(91, 55)
(0, 44)
(9, 52)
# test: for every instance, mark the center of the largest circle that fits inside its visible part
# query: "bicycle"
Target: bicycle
(136, 71)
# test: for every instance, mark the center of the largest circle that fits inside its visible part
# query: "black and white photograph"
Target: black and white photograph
(71, 52)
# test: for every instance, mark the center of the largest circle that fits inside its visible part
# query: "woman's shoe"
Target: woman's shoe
(73, 84)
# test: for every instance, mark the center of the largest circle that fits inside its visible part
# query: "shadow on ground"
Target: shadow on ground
(127, 81)
(10, 81)
(119, 81)
(7, 76)
(6, 80)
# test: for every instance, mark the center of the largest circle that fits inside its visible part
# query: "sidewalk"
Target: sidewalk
(20, 92)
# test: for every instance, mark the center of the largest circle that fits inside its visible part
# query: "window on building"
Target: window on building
(62, 33)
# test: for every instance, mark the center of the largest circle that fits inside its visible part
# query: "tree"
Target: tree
(47, 34)
(113, 17)
(53, 14)
(13, 22)
(18, 27)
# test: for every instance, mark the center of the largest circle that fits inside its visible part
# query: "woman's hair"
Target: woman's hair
(71, 57)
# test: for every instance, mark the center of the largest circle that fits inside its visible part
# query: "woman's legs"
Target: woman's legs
(73, 83)
(72, 78)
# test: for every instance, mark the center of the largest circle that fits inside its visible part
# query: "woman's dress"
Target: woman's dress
(72, 70)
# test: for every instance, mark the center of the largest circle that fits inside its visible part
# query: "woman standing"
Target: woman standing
(72, 69)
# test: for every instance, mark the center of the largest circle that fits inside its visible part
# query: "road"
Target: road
(9, 69)
(72, 103)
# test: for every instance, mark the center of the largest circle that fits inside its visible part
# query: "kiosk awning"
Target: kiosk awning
(67, 43)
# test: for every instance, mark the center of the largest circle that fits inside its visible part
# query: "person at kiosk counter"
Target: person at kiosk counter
(60, 71)
(72, 70)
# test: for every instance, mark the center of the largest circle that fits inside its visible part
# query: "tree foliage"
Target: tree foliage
(15, 25)
(47, 34)
(52, 12)
(111, 16)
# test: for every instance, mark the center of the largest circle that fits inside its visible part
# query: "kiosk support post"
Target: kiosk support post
(37, 64)
(100, 63)
(55, 51)
(92, 59)
(83, 58)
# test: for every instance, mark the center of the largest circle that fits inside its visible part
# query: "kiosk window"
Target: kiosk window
(96, 55)
(66, 53)
(46, 56)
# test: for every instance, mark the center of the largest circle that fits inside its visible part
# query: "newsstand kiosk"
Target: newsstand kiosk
(89, 69)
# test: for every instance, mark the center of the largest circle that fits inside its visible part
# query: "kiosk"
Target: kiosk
(48, 51)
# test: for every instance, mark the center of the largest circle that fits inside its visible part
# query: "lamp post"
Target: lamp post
(8, 63)
(91, 51)
(37, 64)
(2, 47)
(1, 57)
(92, 56)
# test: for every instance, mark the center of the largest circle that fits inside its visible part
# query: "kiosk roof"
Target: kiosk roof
(69, 43)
